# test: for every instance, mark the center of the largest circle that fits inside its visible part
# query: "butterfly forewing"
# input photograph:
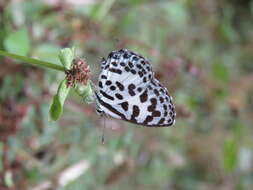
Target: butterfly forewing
(128, 90)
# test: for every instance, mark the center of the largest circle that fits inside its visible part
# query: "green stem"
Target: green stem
(32, 61)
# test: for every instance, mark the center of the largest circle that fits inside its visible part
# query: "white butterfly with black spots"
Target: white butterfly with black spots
(128, 90)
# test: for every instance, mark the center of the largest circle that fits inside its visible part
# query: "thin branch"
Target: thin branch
(32, 61)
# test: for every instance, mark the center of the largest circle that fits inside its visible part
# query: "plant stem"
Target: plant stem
(32, 61)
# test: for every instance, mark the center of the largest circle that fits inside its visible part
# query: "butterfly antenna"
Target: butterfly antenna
(103, 131)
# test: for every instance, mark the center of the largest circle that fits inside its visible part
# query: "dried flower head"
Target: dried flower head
(79, 73)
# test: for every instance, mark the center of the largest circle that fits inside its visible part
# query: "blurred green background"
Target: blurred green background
(201, 50)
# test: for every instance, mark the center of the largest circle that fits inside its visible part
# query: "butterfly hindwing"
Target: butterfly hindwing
(128, 90)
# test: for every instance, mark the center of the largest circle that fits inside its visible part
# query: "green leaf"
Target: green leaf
(18, 42)
(58, 101)
(66, 57)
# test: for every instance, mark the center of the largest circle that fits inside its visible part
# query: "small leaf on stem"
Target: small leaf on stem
(58, 101)
(66, 56)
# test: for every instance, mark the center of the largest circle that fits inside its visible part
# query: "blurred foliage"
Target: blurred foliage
(201, 50)
(17, 42)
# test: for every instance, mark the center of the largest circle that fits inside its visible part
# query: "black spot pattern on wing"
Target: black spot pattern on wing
(119, 96)
(114, 64)
(125, 105)
(140, 73)
(161, 121)
(103, 77)
(131, 88)
(106, 67)
(126, 55)
(156, 114)
(127, 69)
(108, 82)
(133, 71)
(120, 86)
(106, 95)
(135, 114)
(148, 119)
(118, 71)
(135, 58)
(144, 96)
(100, 84)
(112, 88)
(130, 64)
(136, 111)
(156, 92)
(139, 89)
(109, 107)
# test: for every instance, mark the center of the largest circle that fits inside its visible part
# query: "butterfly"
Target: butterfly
(128, 90)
